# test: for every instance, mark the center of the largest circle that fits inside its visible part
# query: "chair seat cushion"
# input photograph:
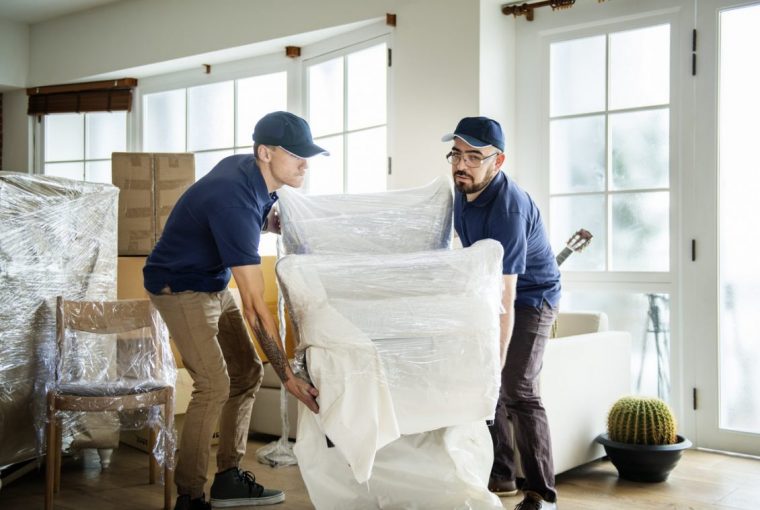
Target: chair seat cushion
(109, 388)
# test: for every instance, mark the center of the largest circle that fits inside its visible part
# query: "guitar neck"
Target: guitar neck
(562, 256)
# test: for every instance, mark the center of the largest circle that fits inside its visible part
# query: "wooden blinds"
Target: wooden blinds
(97, 96)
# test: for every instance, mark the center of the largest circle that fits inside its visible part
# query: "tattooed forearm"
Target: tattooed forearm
(272, 349)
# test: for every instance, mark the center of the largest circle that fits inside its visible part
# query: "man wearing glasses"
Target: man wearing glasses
(214, 230)
(489, 205)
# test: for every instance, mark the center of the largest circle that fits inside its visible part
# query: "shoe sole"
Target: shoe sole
(227, 503)
(502, 494)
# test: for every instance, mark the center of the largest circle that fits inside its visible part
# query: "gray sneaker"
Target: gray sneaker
(235, 487)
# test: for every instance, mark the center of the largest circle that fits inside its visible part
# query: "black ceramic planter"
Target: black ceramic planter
(641, 462)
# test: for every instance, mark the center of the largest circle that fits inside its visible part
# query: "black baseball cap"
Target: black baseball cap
(478, 132)
(288, 131)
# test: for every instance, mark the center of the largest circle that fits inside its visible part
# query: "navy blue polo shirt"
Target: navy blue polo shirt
(215, 225)
(506, 213)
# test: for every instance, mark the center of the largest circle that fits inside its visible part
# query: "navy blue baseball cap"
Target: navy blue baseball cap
(288, 131)
(478, 132)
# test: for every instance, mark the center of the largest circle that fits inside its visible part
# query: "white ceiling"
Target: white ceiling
(35, 11)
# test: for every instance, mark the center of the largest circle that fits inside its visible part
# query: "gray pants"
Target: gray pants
(520, 410)
(210, 334)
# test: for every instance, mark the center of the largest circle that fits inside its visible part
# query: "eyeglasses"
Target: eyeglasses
(470, 160)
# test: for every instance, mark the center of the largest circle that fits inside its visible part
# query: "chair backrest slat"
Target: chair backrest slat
(106, 317)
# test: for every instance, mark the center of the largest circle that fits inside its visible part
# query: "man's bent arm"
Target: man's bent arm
(250, 282)
(507, 317)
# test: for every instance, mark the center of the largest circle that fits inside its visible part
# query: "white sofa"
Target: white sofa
(265, 418)
(586, 368)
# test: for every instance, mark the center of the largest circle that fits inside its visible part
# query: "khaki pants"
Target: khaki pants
(209, 332)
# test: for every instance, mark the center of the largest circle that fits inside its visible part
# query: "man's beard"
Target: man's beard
(473, 187)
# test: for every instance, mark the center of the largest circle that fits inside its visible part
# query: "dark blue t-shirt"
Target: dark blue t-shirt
(506, 213)
(215, 225)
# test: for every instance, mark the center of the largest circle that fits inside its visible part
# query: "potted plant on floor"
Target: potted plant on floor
(641, 439)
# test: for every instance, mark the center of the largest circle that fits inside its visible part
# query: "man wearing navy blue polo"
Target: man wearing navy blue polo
(212, 232)
(488, 204)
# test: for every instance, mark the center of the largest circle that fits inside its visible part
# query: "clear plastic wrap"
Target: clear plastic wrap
(401, 221)
(57, 237)
(398, 344)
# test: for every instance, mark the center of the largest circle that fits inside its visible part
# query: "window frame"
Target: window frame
(608, 192)
(323, 52)
(38, 151)
(532, 145)
(652, 281)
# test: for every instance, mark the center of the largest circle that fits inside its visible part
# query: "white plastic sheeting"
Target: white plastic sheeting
(442, 469)
(399, 346)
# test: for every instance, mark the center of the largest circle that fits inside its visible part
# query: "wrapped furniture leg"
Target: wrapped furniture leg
(404, 351)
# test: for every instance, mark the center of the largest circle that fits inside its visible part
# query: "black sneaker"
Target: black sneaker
(235, 487)
(185, 503)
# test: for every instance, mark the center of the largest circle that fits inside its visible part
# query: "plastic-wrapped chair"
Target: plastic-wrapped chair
(104, 320)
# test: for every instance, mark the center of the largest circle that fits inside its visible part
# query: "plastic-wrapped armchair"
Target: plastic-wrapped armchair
(143, 379)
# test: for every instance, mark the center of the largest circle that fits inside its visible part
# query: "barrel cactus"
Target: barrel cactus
(641, 420)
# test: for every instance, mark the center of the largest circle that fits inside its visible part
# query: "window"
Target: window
(609, 164)
(347, 111)
(609, 148)
(79, 145)
(212, 120)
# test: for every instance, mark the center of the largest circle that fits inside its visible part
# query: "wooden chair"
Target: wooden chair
(108, 318)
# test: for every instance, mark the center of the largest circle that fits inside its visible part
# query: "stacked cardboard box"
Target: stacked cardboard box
(150, 184)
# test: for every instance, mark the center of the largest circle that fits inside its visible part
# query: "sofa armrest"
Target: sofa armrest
(582, 376)
(579, 323)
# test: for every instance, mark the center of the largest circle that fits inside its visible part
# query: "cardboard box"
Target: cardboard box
(150, 184)
(183, 390)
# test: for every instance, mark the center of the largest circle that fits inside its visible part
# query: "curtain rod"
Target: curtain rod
(520, 9)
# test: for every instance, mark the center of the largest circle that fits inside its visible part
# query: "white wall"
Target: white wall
(14, 54)
(141, 32)
(497, 74)
(17, 133)
(432, 38)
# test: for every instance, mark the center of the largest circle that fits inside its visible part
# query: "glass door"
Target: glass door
(726, 283)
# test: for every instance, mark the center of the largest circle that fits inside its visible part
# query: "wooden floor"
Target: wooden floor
(701, 481)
